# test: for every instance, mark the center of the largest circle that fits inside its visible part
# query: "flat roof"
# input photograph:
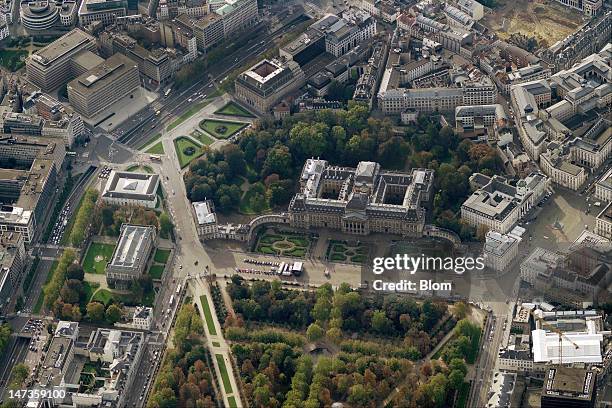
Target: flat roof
(103, 74)
(62, 46)
(128, 252)
(569, 383)
(204, 212)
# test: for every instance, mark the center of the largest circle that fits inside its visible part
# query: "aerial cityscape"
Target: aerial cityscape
(303, 204)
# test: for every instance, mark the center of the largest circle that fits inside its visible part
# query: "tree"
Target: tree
(95, 311)
(381, 323)
(314, 332)
(460, 310)
(75, 271)
(5, 335)
(165, 225)
(113, 314)
(19, 375)
(455, 379)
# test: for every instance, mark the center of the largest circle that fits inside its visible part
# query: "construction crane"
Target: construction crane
(558, 332)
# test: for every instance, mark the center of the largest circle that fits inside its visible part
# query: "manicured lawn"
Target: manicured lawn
(287, 244)
(202, 137)
(161, 256)
(97, 256)
(233, 109)
(103, 296)
(41, 296)
(157, 148)
(224, 375)
(149, 141)
(180, 144)
(222, 129)
(210, 323)
(135, 168)
(342, 251)
(216, 344)
(156, 271)
(232, 402)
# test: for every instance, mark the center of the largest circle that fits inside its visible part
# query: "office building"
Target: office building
(102, 86)
(476, 118)
(237, 15)
(499, 205)
(361, 200)
(104, 11)
(25, 194)
(131, 188)
(131, 255)
(12, 262)
(41, 15)
(52, 65)
(569, 387)
(208, 30)
(267, 82)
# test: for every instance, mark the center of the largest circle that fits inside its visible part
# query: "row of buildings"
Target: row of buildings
(343, 39)
(572, 137)
(113, 353)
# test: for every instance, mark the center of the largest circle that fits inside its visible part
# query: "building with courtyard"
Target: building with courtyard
(131, 255)
(498, 205)
(130, 188)
(361, 200)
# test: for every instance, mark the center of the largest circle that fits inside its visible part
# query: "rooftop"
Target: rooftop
(569, 383)
(204, 212)
(132, 185)
(62, 46)
(103, 74)
(129, 250)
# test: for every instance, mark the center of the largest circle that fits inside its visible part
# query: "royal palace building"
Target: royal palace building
(361, 200)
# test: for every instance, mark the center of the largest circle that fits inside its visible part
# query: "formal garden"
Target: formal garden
(186, 150)
(202, 137)
(222, 129)
(281, 243)
(233, 109)
(347, 251)
(138, 168)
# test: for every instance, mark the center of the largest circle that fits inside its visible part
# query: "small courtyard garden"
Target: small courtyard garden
(281, 243)
(345, 251)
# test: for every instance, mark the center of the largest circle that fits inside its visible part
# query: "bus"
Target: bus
(167, 92)
(158, 113)
(155, 157)
(178, 289)
(70, 153)
(172, 299)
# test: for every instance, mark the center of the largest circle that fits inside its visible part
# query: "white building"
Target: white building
(142, 318)
(206, 219)
(603, 222)
(236, 14)
(500, 250)
(603, 187)
(540, 261)
(546, 346)
(499, 205)
(472, 8)
(344, 34)
(127, 188)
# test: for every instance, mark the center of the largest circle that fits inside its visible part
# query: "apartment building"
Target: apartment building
(99, 88)
(53, 65)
